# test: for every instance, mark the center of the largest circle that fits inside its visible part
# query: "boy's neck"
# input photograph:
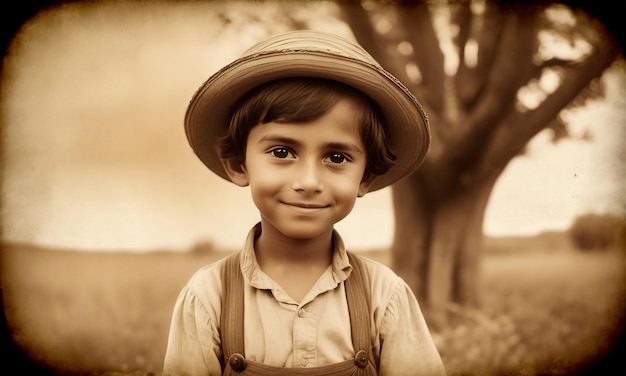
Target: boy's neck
(273, 247)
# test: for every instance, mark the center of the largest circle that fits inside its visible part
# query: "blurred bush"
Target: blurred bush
(203, 247)
(591, 232)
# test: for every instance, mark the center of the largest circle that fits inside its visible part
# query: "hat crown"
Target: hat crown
(309, 40)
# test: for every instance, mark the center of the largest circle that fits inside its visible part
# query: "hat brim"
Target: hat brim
(208, 114)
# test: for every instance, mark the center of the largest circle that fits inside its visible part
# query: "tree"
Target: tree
(593, 232)
(489, 81)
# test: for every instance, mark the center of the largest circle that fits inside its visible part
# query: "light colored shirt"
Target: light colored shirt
(313, 332)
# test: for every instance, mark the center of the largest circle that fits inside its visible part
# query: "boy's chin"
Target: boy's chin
(304, 232)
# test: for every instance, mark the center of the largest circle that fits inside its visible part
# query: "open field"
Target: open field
(83, 313)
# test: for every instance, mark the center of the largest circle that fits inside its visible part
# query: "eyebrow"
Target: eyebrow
(293, 142)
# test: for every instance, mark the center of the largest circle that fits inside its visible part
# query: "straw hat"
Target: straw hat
(307, 53)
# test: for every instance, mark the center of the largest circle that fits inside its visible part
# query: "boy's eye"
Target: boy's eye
(280, 153)
(337, 158)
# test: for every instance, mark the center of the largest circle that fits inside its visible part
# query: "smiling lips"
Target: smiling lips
(302, 205)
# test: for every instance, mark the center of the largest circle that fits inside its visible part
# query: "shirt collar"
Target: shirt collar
(340, 266)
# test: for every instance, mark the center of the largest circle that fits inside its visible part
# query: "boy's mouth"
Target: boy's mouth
(304, 205)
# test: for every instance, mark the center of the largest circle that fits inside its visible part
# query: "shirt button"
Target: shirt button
(304, 362)
(301, 312)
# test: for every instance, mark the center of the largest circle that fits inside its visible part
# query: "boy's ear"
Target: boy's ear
(236, 171)
(365, 185)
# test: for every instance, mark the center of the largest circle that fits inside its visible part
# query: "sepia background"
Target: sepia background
(106, 212)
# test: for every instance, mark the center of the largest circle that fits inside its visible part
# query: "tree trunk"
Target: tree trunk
(437, 244)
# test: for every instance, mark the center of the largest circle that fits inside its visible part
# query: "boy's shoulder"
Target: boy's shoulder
(386, 288)
(380, 275)
(207, 280)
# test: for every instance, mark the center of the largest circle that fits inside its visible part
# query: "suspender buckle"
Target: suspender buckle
(237, 362)
(361, 359)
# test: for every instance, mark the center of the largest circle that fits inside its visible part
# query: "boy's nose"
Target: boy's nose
(308, 177)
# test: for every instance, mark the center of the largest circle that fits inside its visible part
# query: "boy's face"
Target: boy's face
(305, 177)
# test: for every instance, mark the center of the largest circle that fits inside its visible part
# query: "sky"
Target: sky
(95, 156)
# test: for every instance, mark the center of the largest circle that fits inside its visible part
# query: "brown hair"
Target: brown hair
(298, 100)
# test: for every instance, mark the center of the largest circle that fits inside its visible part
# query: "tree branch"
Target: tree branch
(515, 132)
(512, 69)
(472, 81)
(417, 27)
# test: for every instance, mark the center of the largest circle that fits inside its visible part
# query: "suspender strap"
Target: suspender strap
(231, 316)
(358, 296)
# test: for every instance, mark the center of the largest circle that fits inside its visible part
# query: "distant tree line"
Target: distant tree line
(592, 232)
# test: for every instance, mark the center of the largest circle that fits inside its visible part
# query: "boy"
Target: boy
(309, 122)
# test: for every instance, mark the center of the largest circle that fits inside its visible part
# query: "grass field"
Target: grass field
(548, 312)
